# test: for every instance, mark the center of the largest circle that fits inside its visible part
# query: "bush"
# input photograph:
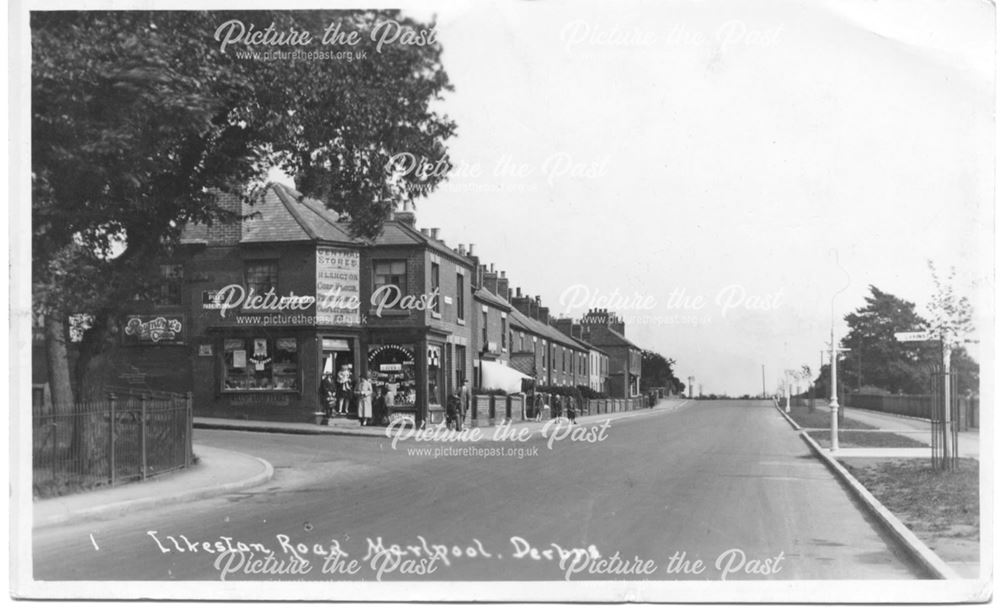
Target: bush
(589, 393)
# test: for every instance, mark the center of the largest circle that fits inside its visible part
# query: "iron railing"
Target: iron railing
(123, 437)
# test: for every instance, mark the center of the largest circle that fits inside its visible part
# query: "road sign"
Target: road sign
(914, 336)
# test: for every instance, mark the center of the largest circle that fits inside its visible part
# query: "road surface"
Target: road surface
(710, 491)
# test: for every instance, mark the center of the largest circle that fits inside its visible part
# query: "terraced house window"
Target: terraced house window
(261, 276)
(390, 273)
(460, 296)
(436, 286)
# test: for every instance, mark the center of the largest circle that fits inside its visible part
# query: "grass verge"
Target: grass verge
(820, 419)
(940, 507)
(867, 439)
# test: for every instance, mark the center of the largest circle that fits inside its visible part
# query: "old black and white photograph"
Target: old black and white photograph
(678, 301)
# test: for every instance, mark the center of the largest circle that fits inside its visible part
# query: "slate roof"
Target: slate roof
(283, 215)
(610, 337)
(543, 330)
(487, 296)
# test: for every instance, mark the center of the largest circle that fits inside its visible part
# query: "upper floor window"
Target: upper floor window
(390, 273)
(436, 286)
(460, 296)
(171, 284)
(503, 332)
(261, 276)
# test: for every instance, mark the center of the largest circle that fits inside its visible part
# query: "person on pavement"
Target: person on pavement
(327, 396)
(364, 393)
(464, 402)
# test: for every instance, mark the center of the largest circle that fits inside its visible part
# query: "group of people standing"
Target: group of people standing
(337, 392)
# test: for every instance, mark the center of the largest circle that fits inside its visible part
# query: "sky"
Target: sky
(741, 172)
(737, 173)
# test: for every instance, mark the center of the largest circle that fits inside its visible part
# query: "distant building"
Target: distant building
(607, 331)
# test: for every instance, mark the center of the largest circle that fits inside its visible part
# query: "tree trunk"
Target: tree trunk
(57, 359)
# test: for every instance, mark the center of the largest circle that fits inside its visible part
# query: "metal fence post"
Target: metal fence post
(189, 417)
(142, 434)
(111, 435)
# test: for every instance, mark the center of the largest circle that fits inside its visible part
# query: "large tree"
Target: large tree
(658, 372)
(876, 360)
(138, 118)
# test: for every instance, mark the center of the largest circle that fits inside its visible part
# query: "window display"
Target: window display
(392, 371)
(260, 363)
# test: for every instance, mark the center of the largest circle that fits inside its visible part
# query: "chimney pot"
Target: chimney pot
(503, 274)
(425, 231)
(471, 249)
(519, 292)
(461, 249)
(434, 232)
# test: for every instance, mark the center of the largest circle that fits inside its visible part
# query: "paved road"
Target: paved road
(710, 477)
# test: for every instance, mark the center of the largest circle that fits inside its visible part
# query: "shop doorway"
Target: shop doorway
(337, 360)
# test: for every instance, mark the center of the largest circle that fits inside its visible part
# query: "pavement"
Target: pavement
(216, 472)
(351, 426)
(914, 428)
(704, 481)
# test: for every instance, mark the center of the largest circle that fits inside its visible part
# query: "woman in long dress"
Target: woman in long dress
(364, 393)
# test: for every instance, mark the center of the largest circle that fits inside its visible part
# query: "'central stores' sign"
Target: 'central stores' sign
(336, 299)
(338, 286)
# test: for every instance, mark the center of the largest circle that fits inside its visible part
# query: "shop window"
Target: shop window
(261, 276)
(460, 296)
(390, 273)
(171, 283)
(392, 371)
(435, 376)
(260, 363)
(436, 287)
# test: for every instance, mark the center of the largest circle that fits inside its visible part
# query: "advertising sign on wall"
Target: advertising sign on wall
(140, 329)
(338, 289)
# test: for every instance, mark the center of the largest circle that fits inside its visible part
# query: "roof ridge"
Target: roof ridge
(283, 196)
(321, 213)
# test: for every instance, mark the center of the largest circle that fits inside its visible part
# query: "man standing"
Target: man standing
(327, 396)
(464, 401)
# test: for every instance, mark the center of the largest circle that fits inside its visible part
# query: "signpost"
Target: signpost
(926, 336)
(914, 336)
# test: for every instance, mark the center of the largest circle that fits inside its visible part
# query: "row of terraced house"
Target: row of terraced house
(251, 314)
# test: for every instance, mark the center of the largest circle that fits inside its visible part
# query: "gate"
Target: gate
(943, 457)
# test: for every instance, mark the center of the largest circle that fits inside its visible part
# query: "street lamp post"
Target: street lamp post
(834, 404)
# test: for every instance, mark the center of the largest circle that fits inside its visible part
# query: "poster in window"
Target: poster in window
(338, 279)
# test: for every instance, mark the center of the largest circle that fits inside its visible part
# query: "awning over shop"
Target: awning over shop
(498, 375)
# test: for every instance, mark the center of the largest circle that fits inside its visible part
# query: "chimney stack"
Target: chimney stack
(490, 280)
(406, 215)
(425, 231)
(503, 286)
(461, 249)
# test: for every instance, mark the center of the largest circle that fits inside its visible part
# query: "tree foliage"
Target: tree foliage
(138, 119)
(876, 360)
(658, 372)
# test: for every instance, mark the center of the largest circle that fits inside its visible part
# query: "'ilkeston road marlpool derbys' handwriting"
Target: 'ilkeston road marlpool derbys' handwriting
(287, 557)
